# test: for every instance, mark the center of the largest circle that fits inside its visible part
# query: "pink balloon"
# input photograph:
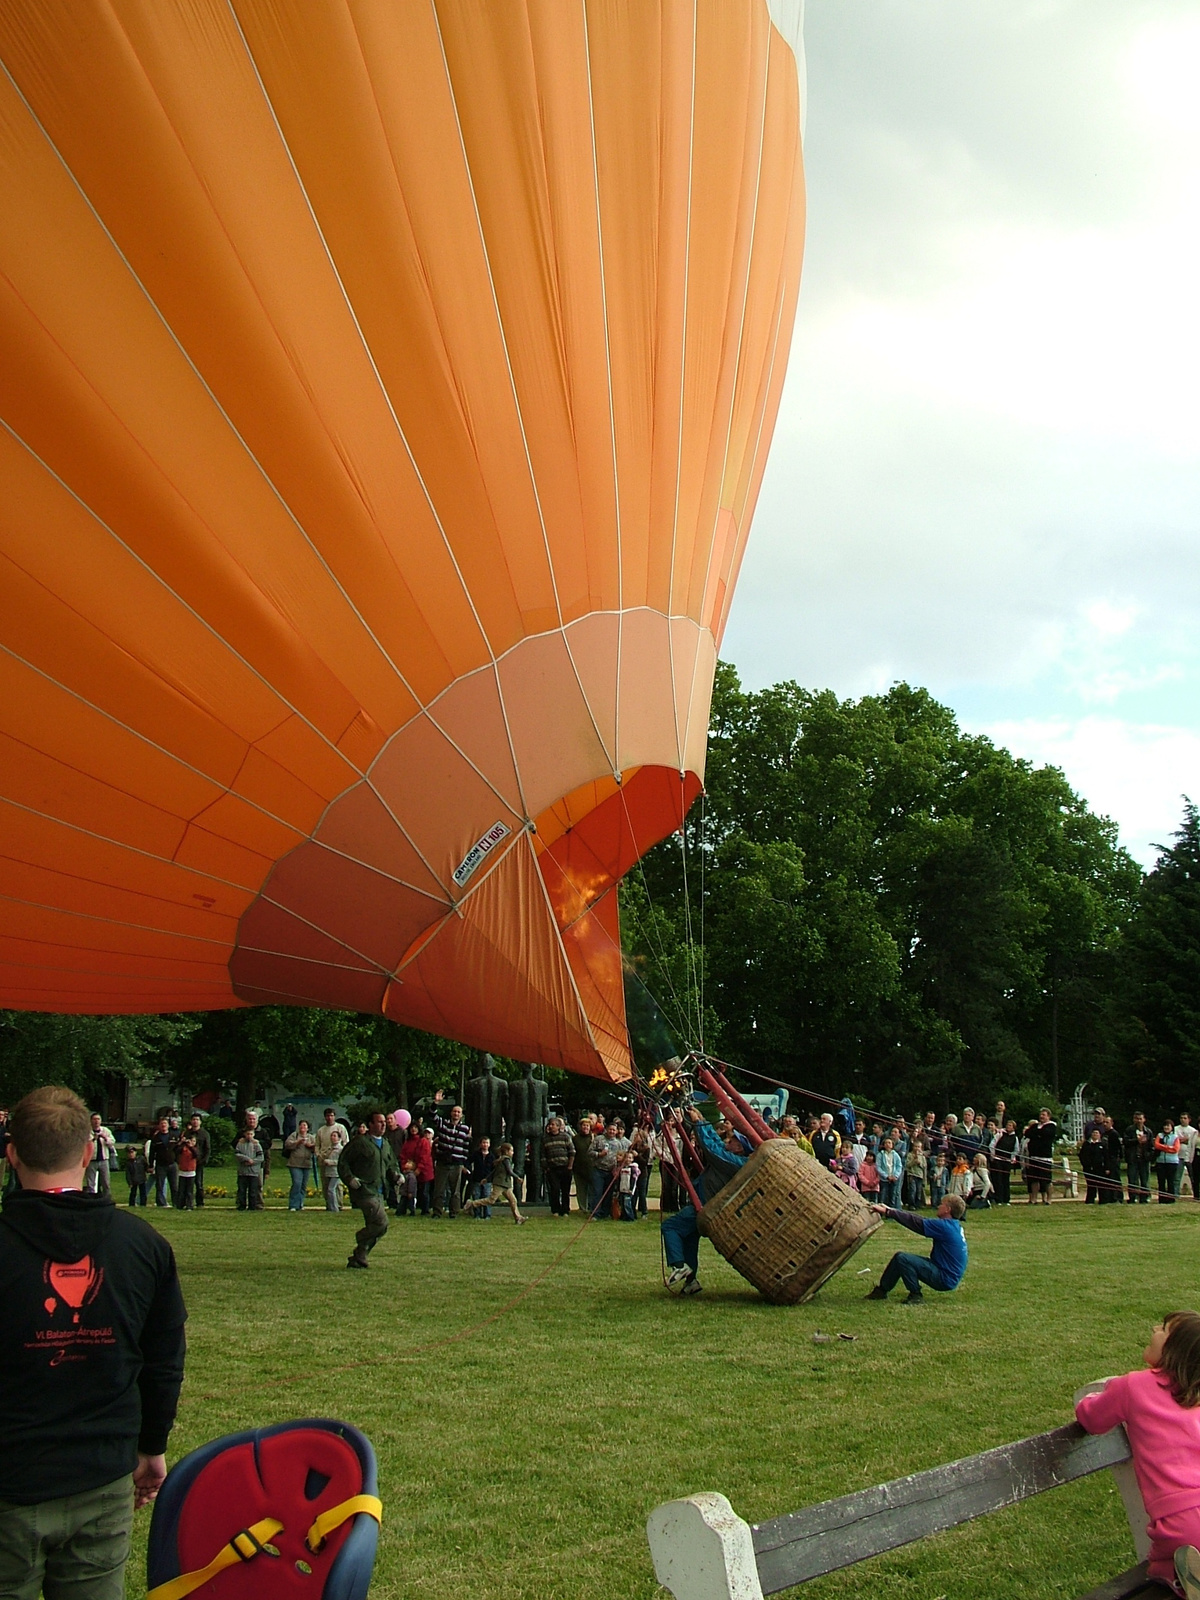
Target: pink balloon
(403, 1119)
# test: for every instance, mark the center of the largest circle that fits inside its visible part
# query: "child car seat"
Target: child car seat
(275, 1513)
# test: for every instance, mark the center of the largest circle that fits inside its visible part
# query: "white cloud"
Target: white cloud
(986, 474)
(1136, 774)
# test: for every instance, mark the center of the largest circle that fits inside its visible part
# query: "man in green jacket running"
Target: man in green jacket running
(364, 1166)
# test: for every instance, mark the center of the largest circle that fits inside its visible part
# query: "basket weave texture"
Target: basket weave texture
(785, 1223)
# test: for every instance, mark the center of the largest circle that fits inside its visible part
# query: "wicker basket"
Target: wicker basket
(786, 1223)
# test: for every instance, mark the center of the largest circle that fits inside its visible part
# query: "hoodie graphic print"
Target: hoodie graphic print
(91, 1344)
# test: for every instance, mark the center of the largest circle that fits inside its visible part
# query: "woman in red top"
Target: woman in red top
(416, 1168)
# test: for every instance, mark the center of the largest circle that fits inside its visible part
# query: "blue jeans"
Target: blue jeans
(889, 1192)
(915, 1270)
(681, 1238)
(299, 1184)
(600, 1196)
(480, 1191)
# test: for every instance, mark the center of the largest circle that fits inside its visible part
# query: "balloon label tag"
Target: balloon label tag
(482, 848)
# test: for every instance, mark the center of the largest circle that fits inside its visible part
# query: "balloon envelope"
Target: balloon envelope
(384, 391)
(403, 1119)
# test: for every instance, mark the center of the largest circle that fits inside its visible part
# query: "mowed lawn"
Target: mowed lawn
(521, 1461)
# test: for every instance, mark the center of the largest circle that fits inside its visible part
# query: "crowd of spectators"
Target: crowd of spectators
(917, 1163)
(446, 1171)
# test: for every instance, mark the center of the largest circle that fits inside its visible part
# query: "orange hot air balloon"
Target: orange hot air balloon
(385, 390)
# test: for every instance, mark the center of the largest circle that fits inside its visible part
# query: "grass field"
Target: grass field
(521, 1461)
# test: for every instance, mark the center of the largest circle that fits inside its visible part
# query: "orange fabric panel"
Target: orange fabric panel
(232, 863)
(554, 734)
(414, 776)
(33, 887)
(593, 946)
(588, 859)
(572, 808)
(489, 975)
(384, 395)
(159, 111)
(370, 914)
(45, 925)
(273, 929)
(63, 959)
(266, 979)
(361, 827)
(91, 995)
(73, 850)
(471, 715)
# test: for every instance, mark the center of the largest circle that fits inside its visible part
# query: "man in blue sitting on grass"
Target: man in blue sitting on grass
(943, 1268)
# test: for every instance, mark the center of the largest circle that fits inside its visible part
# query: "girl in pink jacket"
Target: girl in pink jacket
(1159, 1408)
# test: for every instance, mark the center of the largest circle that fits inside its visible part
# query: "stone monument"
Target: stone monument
(527, 1097)
(487, 1105)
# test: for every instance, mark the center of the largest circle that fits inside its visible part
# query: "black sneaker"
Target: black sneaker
(354, 1264)
(914, 1299)
(876, 1294)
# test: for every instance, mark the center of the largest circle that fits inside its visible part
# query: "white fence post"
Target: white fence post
(703, 1550)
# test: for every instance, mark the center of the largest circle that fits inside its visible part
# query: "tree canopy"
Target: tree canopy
(891, 906)
(1163, 970)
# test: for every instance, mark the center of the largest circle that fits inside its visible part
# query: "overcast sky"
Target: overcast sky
(985, 473)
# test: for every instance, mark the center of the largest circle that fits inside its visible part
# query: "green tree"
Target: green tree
(311, 1050)
(1163, 976)
(87, 1054)
(892, 906)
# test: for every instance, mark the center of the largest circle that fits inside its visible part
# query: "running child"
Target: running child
(503, 1182)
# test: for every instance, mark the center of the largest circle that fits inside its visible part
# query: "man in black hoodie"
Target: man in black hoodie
(91, 1348)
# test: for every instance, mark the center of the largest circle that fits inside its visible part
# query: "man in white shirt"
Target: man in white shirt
(103, 1146)
(331, 1140)
(1188, 1136)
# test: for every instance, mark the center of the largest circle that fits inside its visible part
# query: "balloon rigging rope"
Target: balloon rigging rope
(700, 968)
(687, 922)
(676, 1008)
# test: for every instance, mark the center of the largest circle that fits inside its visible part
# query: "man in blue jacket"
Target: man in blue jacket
(943, 1268)
(680, 1229)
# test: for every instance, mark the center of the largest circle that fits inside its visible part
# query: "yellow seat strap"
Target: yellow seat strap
(243, 1546)
(336, 1515)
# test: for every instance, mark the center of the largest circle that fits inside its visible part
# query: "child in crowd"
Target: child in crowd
(416, 1171)
(187, 1173)
(960, 1178)
(939, 1179)
(1159, 1408)
(1093, 1158)
(916, 1169)
(981, 1184)
(503, 1179)
(868, 1178)
(248, 1154)
(891, 1173)
(846, 1164)
(483, 1163)
(136, 1173)
(628, 1173)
